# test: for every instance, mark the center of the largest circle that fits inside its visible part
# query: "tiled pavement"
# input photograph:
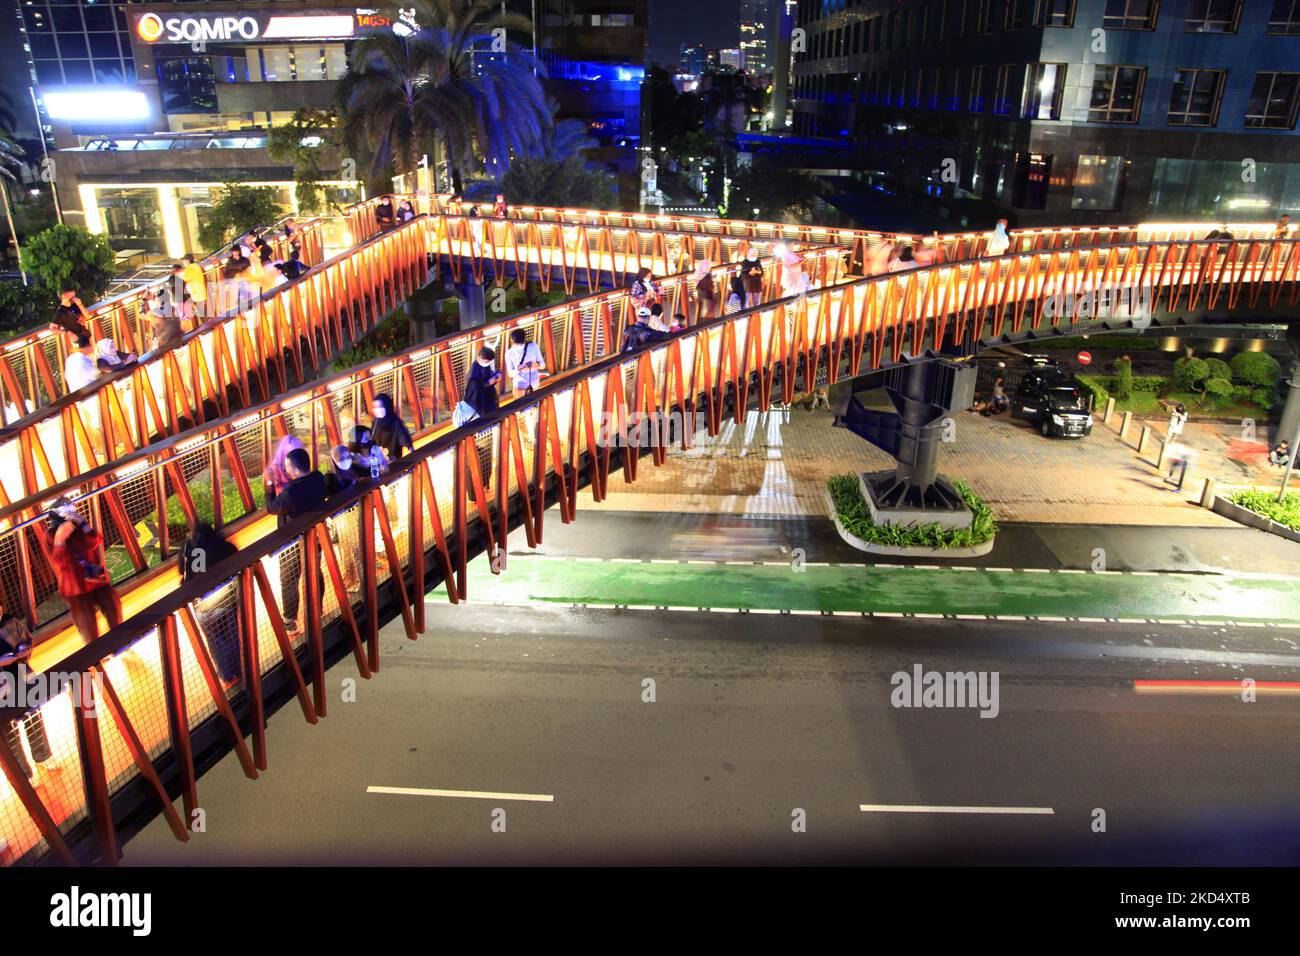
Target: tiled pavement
(777, 464)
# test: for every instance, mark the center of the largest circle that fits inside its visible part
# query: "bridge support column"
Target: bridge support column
(1290, 422)
(473, 304)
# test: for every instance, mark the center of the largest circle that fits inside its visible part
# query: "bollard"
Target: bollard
(1110, 411)
(1142, 438)
(1124, 424)
(1164, 450)
(1207, 493)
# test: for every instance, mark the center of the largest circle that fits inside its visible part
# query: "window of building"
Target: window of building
(1004, 89)
(976, 102)
(1055, 13)
(1195, 99)
(1044, 88)
(983, 16)
(276, 66)
(1098, 183)
(1116, 94)
(1017, 14)
(1213, 16)
(1130, 14)
(1285, 17)
(1273, 101)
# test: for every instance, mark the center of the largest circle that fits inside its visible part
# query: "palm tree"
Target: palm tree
(402, 94)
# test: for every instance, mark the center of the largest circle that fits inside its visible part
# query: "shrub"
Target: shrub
(1189, 373)
(1265, 503)
(1097, 386)
(1256, 368)
(1218, 368)
(1218, 389)
(1123, 378)
(1265, 398)
(1150, 383)
(853, 513)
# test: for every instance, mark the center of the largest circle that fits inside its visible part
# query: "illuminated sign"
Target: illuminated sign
(108, 104)
(257, 25)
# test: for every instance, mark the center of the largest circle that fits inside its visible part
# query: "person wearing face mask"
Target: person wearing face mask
(387, 430)
(481, 386)
(368, 459)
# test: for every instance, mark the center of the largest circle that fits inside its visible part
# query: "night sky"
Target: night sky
(712, 23)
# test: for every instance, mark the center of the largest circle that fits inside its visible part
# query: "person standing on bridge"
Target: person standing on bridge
(304, 493)
(1283, 228)
(276, 473)
(71, 316)
(644, 291)
(501, 210)
(735, 295)
(80, 368)
(751, 273)
(388, 431)
(76, 552)
(15, 652)
(998, 241)
(524, 363)
(706, 294)
(196, 284)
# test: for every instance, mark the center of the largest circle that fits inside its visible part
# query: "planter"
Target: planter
(1253, 519)
(977, 551)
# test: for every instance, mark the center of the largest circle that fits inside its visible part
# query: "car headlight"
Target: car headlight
(1089, 421)
(1058, 420)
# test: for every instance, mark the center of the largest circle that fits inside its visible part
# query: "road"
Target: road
(756, 717)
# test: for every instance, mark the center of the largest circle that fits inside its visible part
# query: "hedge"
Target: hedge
(851, 508)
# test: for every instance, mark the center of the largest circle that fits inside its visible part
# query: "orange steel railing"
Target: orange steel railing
(31, 364)
(180, 680)
(285, 336)
(146, 503)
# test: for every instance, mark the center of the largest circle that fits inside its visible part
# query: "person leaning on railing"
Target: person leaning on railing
(71, 315)
(15, 652)
(305, 492)
(76, 553)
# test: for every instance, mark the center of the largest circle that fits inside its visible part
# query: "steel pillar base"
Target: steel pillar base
(895, 500)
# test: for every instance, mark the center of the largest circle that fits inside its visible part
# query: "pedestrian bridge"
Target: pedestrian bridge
(153, 708)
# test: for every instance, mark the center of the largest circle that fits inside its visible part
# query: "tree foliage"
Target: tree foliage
(1258, 369)
(774, 195)
(1189, 372)
(239, 209)
(566, 182)
(66, 256)
(401, 95)
(302, 143)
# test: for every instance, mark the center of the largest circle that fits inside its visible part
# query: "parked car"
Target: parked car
(1051, 398)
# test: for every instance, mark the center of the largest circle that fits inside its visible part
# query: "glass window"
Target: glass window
(109, 71)
(275, 64)
(1098, 183)
(309, 62)
(104, 46)
(1044, 87)
(1213, 16)
(66, 18)
(73, 46)
(42, 45)
(1004, 90)
(97, 16)
(78, 71)
(1056, 13)
(976, 102)
(48, 73)
(1195, 99)
(1017, 14)
(1130, 14)
(983, 16)
(336, 61)
(1116, 94)
(1285, 17)
(1273, 101)
(132, 215)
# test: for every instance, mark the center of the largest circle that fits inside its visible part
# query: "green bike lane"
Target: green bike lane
(891, 590)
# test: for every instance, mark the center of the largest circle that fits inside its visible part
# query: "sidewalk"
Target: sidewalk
(776, 465)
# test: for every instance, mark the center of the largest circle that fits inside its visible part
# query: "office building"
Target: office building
(731, 59)
(152, 106)
(694, 60)
(754, 35)
(1063, 110)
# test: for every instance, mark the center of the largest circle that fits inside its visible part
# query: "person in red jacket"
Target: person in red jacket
(76, 552)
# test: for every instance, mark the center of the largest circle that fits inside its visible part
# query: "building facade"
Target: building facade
(1062, 110)
(754, 46)
(152, 106)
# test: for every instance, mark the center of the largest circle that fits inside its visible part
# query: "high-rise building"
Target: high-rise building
(594, 54)
(731, 59)
(1064, 110)
(694, 59)
(780, 35)
(753, 35)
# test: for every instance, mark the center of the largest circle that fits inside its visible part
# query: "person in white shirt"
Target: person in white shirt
(524, 362)
(80, 369)
(998, 242)
(906, 260)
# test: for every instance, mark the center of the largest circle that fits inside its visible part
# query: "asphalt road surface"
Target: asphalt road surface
(525, 735)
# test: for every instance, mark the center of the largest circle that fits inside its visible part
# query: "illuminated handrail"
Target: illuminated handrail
(154, 683)
(31, 363)
(158, 486)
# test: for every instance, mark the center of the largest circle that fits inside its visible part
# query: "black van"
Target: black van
(1050, 397)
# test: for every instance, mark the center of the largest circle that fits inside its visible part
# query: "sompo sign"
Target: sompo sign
(193, 29)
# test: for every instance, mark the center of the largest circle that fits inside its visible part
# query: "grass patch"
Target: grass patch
(851, 508)
(1284, 512)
